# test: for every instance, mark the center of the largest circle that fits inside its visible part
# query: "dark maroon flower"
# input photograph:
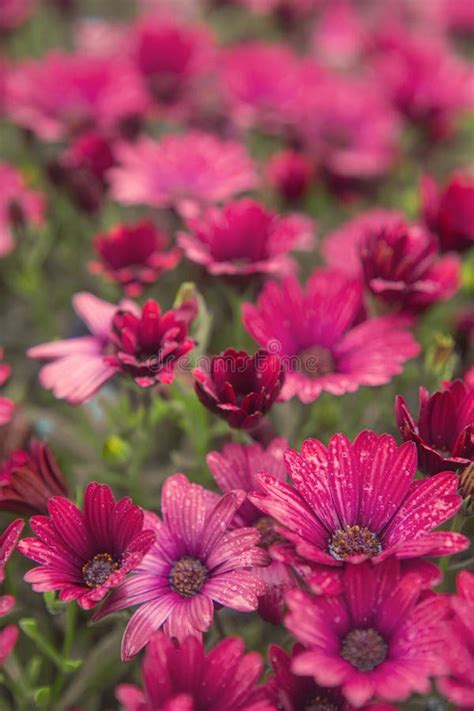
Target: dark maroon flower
(449, 212)
(133, 255)
(239, 387)
(29, 478)
(149, 346)
(289, 173)
(444, 433)
(82, 168)
(401, 267)
(85, 554)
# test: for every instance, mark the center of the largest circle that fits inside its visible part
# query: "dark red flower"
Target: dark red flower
(133, 255)
(29, 478)
(82, 168)
(7, 406)
(449, 212)
(239, 387)
(150, 345)
(289, 173)
(401, 267)
(444, 433)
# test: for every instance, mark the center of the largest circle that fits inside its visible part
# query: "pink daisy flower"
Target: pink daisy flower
(262, 84)
(184, 677)
(8, 543)
(78, 367)
(320, 338)
(133, 255)
(245, 238)
(83, 555)
(239, 387)
(426, 81)
(291, 692)
(449, 211)
(143, 343)
(7, 406)
(19, 206)
(444, 433)
(379, 638)
(402, 268)
(29, 478)
(349, 128)
(236, 467)
(196, 561)
(61, 94)
(183, 171)
(353, 501)
(458, 686)
(341, 247)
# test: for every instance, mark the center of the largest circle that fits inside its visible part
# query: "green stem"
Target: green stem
(71, 616)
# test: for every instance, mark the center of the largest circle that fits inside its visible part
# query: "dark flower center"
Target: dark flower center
(316, 361)
(319, 703)
(354, 540)
(187, 576)
(364, 649)
(99, 569)
(268, 536)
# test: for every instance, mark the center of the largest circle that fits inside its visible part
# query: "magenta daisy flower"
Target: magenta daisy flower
(237, 467)
(245, 238)
(291, 692)
(239, 387)
(133, 256)
(8, 543)
(381, 637)
(183, 171)
(149, 345)
(444, 433)
(29, 478)
(350, 502)
(458, 686)
(319, 336)
(83, 555)
(61, 94)
(184, 677)
(196, 561)
(19, 206)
